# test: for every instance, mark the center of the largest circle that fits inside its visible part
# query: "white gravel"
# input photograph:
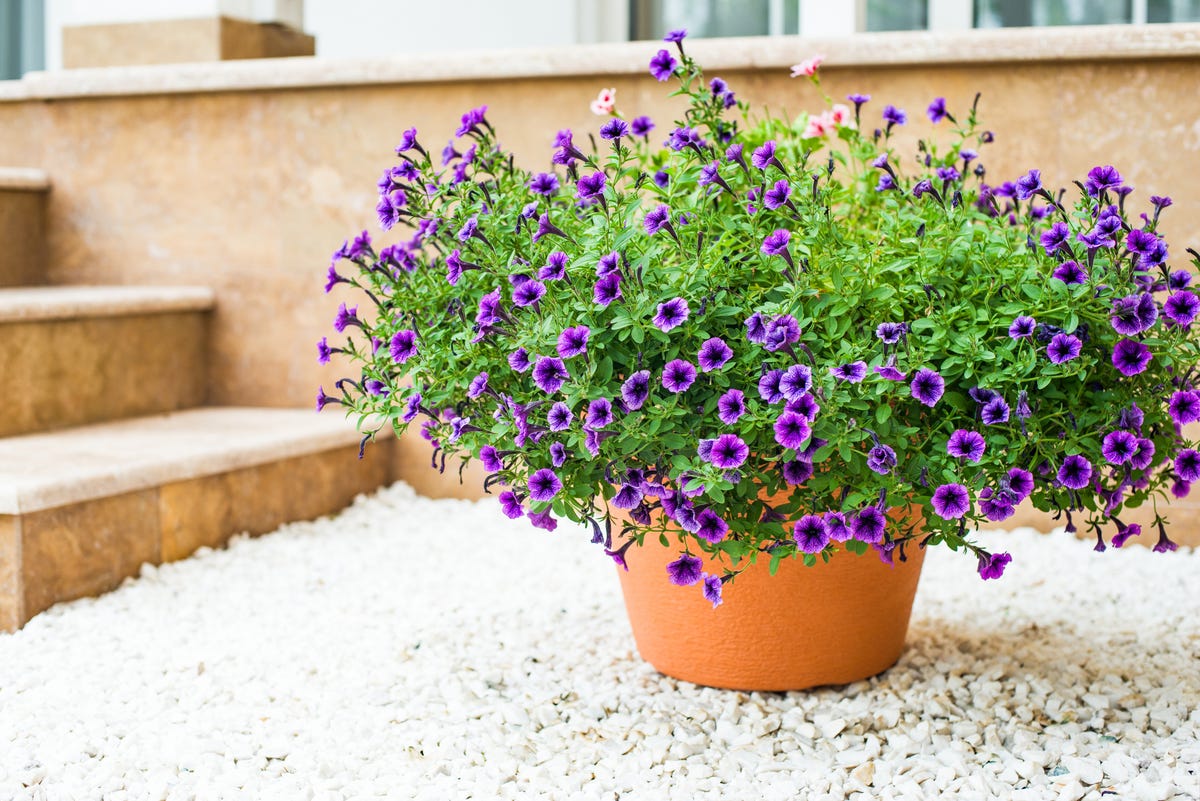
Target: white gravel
(411, 648)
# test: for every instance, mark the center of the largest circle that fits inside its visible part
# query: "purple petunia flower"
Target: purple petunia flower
(490, 458)
(323, 351)
(628, 497)
(591, 187)
(1063, 348)
(804, 404)
(797, 471)
(711, 527)
(894, 116)
(549, 374)
(527, 293)
(927, 387)
(390, 209)
(403, 346)
(1143, 454)
(712, 589)
(471, 121)
(544, 183)
(891, 333)
(728, 451)
(791, 430)
(1187, 465)
(994, 411)
(1118, 447)
(641, 126)
(1100, 179)
(858, 99)
(781, 331)
(937, 110)
(964, 444)
(732, 405)
(768, 386)
(1029, 184)
(991, 566)
(951, 501)
(1133, 314)
(777, 195)
(345, 318)
(607, 289)
(922, 187)
(948, 173)
(890, 372)
(676, 36)
(635, 390)
(1075, 473)
(558, 454)
(559, 417)
(544, 484)
(671, 314)
(886, 182)
(1069, 272)
(555, 268)
(573, 341)
(542, 520)
(614, 129)
(881, 459)
(756, 328)
(714, 353)
(835, 524)
(519, 360)
(546, 228)
(1184, 407)
(662, 66)
(810, 534)
(1181, 307)
(854, 372)
(776, 242)
(868, 525)
(795, 382)
(678, 375)
(608, 264)
(510, 505)
(657, 219)
(1055, 238)
(764, 155)
(599, 413)
(685, 570)
(1131, 357)
(477, 386)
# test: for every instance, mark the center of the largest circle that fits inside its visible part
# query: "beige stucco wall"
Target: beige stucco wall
(245, 176)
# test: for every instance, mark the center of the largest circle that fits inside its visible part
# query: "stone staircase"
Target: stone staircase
(109, 457)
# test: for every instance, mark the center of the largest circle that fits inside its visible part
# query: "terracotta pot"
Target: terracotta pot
(833, 623)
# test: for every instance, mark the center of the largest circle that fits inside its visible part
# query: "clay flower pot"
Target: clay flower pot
(832, 623)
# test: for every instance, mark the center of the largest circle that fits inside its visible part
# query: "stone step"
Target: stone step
(73, 355)
(82, 509)
(23, 194)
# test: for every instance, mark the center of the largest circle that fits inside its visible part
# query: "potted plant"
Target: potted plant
(769, 361)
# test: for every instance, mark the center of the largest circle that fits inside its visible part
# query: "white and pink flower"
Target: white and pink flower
(605, 102)
(807, 67)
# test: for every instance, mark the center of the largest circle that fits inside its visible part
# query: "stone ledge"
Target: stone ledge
(910, 48)
(26, 179)
(68, 302)
(44, 471)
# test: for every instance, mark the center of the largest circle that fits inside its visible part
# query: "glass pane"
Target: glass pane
(897, 15)
(1023, 13)
(651, 19)
(1173, 11)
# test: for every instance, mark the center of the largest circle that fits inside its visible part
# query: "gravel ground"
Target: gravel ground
(411, 648)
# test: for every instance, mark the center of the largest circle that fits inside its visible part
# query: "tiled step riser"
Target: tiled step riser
(89, 547)
(23, 232)
(68, 372)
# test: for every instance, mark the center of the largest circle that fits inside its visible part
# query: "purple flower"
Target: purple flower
(991, 566)
(671, 314)
(714, 353)
(323, 351)
(490, 458)
(544, 183)
(810, 534)
(542, 520)
(346, 317)
(1143, 454)
(964, 444)
(937, 110)
(1100, 179)
(948, 173)
(471, 121)
(756, 329)
(858, 99)
(868, 525)
(796, 381)
(614, 129)
(477, 386)
(994, 411)
(791, 430)
(528, 293)
(678, 375)
(1181, 307)
(891, 333)
(712, 589)
(797, 471)
(881, 459)
(559, 417)
(573, 341)
(1075, 473)
(657, 219)
(676, 36)
(662, 66)
(510, 504)
(1020, 481)
(546, 228)
(519, 360)
(764, 155)
(780, 332)
(854, 372)
(555, 268)
(607, 289)
(804, 404)
(894, 116)
(591, 187)
(1187, 465)
(641, 126)
(1069, 272)
(777, 195)
(1133, 314)
(1063, 348)
(608, 264)
(408, 141)
(332, 279)
(390, 209)
(732, 405)
(886, 182)
(890, 372)
(1124, 533)
(728, 451)
(951, 501)
(922, 187)
(711, 527)
(768, 386)
(1130, 357)
(558, 454)
(635, 390)
(549, 374)
(1184, 407)
(1055, 238)
(684, 571)
(1029, 184)
(628, 497)
(599, 413)
(835, 524)
(927, 386)
(776, 242)
(544, 484)
(1118, 447)
(403, 346)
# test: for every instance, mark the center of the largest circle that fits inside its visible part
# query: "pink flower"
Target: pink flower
(807, 67)
(818, 126)
(605, 102)
(841, 115)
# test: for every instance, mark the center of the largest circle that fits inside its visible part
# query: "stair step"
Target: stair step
(82, 509)
(75, 355)
(22, 225)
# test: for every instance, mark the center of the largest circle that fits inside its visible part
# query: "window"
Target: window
(1024, 13)
(22, 37)
(651, 19)
(888, 15)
